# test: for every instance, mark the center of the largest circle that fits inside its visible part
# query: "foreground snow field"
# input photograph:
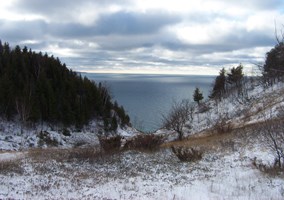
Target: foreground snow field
(225, 172)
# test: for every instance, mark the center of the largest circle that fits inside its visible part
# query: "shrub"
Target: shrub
(145, 142)
(66, 132)
(44, 138)
(273, 170)
(185, 154)
(223, 125)
(110, 143)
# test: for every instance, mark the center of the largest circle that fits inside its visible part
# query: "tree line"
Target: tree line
(36, 87)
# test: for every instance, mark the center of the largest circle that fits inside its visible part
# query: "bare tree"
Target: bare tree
(272, 136)
(178, 116)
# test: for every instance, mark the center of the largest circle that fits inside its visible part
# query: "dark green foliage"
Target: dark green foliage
(197, 95)
(37, 88)
(235, 76)
(219, 85)
(273, 68)
(225, 84)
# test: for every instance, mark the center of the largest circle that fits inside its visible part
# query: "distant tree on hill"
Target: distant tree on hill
(235, 76)
(219, 85)
(197, 95)
(273, 68)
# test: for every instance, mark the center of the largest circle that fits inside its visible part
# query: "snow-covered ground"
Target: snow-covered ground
(226, 173)
(73, 169)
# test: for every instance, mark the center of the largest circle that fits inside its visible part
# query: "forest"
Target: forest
(37, 88)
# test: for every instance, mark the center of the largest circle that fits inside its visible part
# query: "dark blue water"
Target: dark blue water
(147, 97)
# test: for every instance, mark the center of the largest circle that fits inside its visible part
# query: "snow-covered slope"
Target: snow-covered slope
(227, 169)
(14, 137)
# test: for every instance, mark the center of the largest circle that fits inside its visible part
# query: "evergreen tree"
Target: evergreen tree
(273, 68)
(197, 96)
(235, 76)
(219, 85)
(37, 87)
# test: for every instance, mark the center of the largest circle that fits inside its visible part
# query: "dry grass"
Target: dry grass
(42, 155)
(86, 154)
(11, 166)
(144, 142)
(206, 140)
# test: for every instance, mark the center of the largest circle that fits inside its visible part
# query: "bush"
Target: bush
(110, 143)
(66, 132)
(44, 138)
(223, 125)
(145, 142)
(273, 170)
(185, 154)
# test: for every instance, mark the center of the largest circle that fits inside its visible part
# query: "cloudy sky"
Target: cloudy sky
(145, 36)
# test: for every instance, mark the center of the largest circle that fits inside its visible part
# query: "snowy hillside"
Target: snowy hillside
(234, 164)
(258, 104)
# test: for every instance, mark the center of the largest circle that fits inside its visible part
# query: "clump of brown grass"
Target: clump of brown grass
(144, 142)
(11, 166)
(186, 154)
(110, 144)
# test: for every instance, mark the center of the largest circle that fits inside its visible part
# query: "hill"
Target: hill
(37, 88)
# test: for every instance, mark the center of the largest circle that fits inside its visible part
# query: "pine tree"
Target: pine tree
(273, 68)
(37, 87)
(235, 76)
(219, 88)
(197, 96)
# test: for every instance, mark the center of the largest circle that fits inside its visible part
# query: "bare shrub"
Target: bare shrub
(272, 136)
(110, 144)
(186, 154)
(223, 125)
(178, 117)
(273, 170)
(144, 142)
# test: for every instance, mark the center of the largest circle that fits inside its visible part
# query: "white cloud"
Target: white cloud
(166, 36)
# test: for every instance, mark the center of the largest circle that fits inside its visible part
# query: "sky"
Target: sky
(145, 36)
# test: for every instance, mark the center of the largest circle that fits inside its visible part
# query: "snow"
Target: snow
(224, 172)
(140, 175)
(8, 156)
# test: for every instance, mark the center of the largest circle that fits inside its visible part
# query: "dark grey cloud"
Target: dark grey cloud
(22, 30)
(120, 23)
(61, 6)
(133, 23)
(130, 36)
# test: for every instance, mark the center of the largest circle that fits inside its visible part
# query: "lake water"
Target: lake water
(147, 97)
